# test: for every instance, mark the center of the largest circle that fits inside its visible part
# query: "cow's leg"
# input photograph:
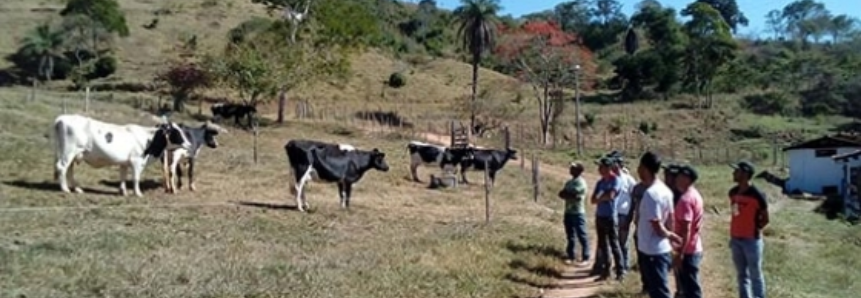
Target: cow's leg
(463, 175)
(301, 202)
(138, 165)
(179, 176)
(191, 174)
(173, 166)
(165, 163)
(492, 176)
(342, 193)
(71, 173)
(414, 169)
(61, 168)
(124, 171)
(348, 192)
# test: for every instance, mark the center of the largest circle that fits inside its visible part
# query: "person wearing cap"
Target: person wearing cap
(670, 173)
(606, 192)
(688, 224)
(655, 228)
(623, 208)
(574, 216)
(749, 217)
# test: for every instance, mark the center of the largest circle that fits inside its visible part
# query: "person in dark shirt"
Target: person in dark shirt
(749, 217)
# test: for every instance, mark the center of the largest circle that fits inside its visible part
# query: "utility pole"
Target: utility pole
(577, 109)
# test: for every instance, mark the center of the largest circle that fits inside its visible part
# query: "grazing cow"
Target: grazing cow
(184, 148)
(100, 144)
(429, 154)
(495, 159)
(330, 163)
(237, 111)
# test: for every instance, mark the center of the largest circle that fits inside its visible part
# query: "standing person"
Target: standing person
(574, 195)
(623, 208)
(606, 192)
(637, 196)
(671, 171)
(654, 227)
(688, 224)
(749, 217)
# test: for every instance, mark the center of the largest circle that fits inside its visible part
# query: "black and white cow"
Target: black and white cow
(494, 158)
(235, 111)
(176, 143)
(429, 154)
(330, 163)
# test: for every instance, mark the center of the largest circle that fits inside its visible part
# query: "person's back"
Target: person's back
(623, 203)
(657, 203)
(690, 208)
(576, 203)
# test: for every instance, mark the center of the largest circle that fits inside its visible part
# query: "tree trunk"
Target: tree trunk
(282, 102)
(476, 58)
(179, 102)
(577, 112)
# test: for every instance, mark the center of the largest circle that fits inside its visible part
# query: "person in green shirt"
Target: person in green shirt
(574, 195)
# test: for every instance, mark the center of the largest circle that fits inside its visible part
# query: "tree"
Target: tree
(840, 26)
(729, 11)
(106, 13)
(711, 47)
(184, 78)
(775, 23)
(477, 33)
(545, 57)
(45, 44)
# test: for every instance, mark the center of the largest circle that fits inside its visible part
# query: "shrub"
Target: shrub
(772, 103)
(397, 80)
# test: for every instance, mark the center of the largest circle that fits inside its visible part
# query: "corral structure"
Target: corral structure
(820, 166)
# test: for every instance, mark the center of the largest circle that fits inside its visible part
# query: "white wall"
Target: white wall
(809, 173)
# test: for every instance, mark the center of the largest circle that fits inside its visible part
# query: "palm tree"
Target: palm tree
(477, 32)
(46, 44)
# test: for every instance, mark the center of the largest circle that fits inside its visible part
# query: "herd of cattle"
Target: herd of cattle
(100, 144)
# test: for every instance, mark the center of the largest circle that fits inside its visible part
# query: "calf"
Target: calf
(237, 111)
(428, 154)
(330, 163)
(100, 144)
(184, 146)
(494, 158)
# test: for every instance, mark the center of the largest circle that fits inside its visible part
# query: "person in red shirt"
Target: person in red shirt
(749, 217)
(688, 216)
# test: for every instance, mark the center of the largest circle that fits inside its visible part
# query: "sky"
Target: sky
(754, 10)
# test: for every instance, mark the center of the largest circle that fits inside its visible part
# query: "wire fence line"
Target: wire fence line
(124, 206)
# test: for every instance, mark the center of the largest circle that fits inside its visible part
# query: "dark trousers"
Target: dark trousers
(608, 242)
(575, 231)
(688, 276)
(640, 258)
(655, 269)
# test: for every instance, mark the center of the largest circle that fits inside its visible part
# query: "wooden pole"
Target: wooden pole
(507, 137)
(451, 133)
(64, 105)
(487, 187)
(535, 181)
(87, 99)
(256, 135)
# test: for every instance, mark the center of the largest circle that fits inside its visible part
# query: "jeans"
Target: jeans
(624, 235)
(655, 269)
(640, 257)
(747, 256)
(575, 230)
(608, 242)
(688, 276)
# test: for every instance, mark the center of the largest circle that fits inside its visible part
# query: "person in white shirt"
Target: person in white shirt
(623, 209)
(654, 228)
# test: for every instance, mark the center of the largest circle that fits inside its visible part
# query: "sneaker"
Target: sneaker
(569, 261)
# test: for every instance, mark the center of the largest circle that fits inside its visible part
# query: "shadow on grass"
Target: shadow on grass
(145, 185)
(388, 118)
(537, 249)
(270, 206)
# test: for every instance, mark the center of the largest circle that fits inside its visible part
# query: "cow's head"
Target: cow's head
(174, 135)
(378, 160)
(511, 154)
(210, 131)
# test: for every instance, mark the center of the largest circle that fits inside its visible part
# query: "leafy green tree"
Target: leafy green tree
(711, 46)
(729, 11)
(45, 44)
(106, 13)
(477, 32)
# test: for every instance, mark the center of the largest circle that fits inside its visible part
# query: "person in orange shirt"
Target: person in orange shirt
(749, 217)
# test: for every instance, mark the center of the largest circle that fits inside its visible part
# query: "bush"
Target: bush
(104, 67)
(590, 119)
(772, 103)
(397, 80)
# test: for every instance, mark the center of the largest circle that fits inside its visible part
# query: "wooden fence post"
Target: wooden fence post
(451, 132)
(256, 135)
(487, 187)
(535, 181)
(64, 105)
(774, 153)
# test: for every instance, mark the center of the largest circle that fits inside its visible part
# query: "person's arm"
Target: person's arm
(651, 212)
(762, 213)
(610, 195)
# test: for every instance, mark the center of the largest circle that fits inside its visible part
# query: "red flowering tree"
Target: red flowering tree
(541, 54)
(183, 78)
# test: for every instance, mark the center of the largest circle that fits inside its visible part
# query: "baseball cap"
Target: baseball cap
(606, 161)
(689, 171)
(672, 169)
(614, 153)
(744, 166)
